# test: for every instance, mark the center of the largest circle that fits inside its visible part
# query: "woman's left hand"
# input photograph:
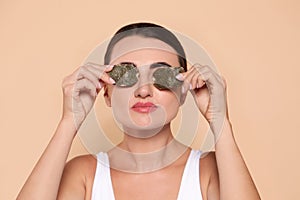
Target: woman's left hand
(209, 91)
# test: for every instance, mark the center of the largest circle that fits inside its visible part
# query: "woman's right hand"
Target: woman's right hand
(80, 90)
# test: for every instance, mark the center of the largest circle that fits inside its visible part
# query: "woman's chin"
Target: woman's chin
(142, 130)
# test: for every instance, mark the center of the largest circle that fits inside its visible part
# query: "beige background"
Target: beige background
(255, 44)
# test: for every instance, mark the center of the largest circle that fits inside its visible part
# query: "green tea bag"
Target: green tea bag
(165, 78)
(125, 75)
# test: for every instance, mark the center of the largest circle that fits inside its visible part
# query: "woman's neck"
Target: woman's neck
(140, 155)
(137, 143)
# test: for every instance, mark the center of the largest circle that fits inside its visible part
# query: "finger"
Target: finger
(212, 79)
(200, 82)
(188, 76)
(205, 69)
(196, 81)
(84, 73)
(100, 71)
(84, 85)
(199, 77)
(209, 74)
(66, 81)
(71, 79)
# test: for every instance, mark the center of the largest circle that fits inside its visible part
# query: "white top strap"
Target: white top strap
(189, 186)
(190, 183)
(102, 188)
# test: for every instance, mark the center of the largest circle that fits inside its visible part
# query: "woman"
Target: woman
(148, 163)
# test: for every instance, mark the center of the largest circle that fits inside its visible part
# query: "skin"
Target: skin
(51, 178)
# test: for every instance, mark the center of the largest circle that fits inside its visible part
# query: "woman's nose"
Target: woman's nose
(144, 86)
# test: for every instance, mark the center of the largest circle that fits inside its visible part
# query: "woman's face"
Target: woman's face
(143, 107)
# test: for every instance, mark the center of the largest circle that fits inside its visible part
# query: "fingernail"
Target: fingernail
(99, 85)
(109, 67)
(179, 77)
(112, 81)
(191, 87)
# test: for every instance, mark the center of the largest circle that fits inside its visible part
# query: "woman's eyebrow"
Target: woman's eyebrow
(160, 64)
(127, 63)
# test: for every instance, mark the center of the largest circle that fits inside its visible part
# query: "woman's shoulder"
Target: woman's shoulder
(85, 164)
(84, 159)
(78, 177)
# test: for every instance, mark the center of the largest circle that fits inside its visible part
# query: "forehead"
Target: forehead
(143, 51)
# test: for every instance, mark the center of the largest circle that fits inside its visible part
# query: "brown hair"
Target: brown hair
(147, 30)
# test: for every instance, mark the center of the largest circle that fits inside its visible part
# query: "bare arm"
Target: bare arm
(234, 177)
(77, 179)
(79, 90)
(231, 179)
(43, 182)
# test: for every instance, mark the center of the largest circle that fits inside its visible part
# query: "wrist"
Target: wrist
(224, 131)
(68, 126)
(225, 135)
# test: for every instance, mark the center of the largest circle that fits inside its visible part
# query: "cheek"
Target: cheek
(171, 103)
(121, 97)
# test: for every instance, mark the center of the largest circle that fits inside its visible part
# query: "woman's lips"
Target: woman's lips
(144, 107)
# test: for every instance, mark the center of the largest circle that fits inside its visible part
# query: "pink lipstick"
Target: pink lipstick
(146, 107)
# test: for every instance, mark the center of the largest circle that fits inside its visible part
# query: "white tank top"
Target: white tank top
(189, 186)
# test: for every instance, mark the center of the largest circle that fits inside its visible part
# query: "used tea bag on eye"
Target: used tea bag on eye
(125, 75)
(165, 78)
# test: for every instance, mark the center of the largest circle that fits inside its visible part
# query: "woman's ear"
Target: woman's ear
(107, 96)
